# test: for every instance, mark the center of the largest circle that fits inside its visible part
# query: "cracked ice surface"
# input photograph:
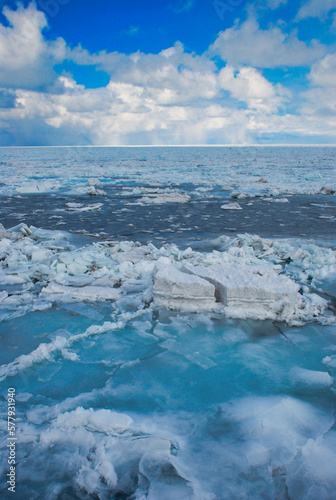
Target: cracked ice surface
(123, 391)
(173, 406)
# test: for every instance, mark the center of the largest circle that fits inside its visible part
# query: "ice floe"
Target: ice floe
(231, 206)
(43, 186)
(181, 291)
(79, 207)
(239, 195)
(54, 292)
(249, 290)
(159, 199)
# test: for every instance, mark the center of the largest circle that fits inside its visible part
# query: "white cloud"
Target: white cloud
(171, 76)
(122, 114)
(250, 86)
(317, 110)
(316, 8)
(26, 59)
(173, 97)
(247, 43)
(323, 72)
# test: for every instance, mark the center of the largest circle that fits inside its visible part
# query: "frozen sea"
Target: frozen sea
(167, 321)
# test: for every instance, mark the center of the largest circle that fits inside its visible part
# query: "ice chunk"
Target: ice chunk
(94, 182)
(243, 286)
(330, 361)
(327, 190)
(89, 293)
(231, 206)
(41, 255)
(93, 191)
(239, 195)
(105, 421)
(312, 472)
(87, 208)
(311, 377)
(3, 232)
(42, 187)
(165, 198)
(73, 205)
(281, 200)
(177, 290)
(20, 231)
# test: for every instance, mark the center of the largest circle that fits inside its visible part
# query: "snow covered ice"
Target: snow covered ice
(161, 345)
(177, 290)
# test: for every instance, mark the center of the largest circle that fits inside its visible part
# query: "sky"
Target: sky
(152, 72)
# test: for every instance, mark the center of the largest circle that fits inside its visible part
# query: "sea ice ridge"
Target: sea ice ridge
(245, 276)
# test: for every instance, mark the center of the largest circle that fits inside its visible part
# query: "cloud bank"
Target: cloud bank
(172, 97)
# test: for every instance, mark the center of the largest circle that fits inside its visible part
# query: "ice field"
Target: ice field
(167, 319)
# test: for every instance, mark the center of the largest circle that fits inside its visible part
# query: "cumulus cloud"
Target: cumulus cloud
(26, 58)
(172, 97)
(323, 72)
(320, 99)
(250, 86)
(316, 8)
(247, 43)
(122, 113)
(172, 75)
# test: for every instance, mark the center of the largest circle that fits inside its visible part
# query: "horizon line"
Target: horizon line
(174, 145)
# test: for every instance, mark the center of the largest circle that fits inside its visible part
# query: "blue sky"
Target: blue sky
(78, 72)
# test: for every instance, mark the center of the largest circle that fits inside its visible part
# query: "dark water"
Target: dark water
(175, 222)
